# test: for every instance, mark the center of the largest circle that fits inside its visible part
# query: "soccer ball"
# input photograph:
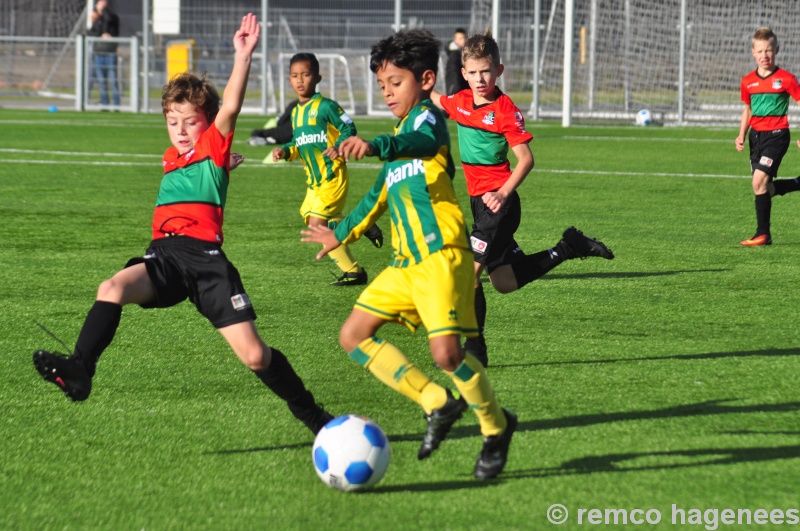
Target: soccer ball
(644, 117)
(351, 453)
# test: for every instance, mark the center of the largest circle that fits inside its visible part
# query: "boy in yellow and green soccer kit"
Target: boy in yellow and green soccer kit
(430, 280)
(319, 125)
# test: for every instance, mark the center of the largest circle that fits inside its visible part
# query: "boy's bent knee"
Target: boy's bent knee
(446, 351)
(110, 291)
(349, 338)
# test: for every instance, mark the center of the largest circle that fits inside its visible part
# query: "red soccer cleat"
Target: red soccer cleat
(755, 241)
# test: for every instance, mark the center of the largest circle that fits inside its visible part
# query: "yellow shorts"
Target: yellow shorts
(327, 201)
(438, 292)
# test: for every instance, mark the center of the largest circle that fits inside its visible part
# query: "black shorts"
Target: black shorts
(182, 268)
(492, 237)
(767, 149)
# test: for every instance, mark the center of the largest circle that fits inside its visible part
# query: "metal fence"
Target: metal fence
(627, 54)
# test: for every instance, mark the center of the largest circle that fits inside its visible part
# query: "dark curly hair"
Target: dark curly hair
(188, 88)
(416, 50)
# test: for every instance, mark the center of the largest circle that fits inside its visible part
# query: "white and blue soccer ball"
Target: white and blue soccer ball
(351, 453)
(644, 117)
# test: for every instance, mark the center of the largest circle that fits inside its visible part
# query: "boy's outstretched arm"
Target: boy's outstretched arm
(435, 97)
(322, 235)
(244, 42)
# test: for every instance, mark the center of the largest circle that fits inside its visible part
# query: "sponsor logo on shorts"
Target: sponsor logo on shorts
(240, 301)
(479, 246)
(212, 252)
(766, 161)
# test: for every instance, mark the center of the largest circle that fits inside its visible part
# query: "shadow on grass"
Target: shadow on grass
(626, 274)
(625, 462)
(617, 274)
(705, 356)
(711, 407)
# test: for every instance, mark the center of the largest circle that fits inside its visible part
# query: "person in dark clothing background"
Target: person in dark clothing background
(105, 24)
(453, 78)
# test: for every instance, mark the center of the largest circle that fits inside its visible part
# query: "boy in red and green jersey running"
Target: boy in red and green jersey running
(765, 93)
(489, 124)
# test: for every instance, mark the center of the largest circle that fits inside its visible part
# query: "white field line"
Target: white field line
(360, 165)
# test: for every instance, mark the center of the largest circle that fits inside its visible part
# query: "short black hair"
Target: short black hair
(310, 58)
(460, 30)
(416, 50)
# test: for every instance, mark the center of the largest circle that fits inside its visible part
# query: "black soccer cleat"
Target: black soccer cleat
(352, 279)
(68, 373)
(582, 246)
(494, 453)
(439, 423)
(375, 235)
(316, 420)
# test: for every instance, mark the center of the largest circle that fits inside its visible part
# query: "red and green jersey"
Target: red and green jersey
(485, 134)
(192, 195)
(768, 98)
(318, 124)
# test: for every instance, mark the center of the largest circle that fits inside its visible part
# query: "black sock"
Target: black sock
(97, 333)
(478, 344)
(533, 266)
(763, 211)
(284, 382)
(784, 186)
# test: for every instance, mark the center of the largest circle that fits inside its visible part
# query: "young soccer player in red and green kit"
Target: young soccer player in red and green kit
(765, 93)
(489, 124)
(185, 259)
(429, 281)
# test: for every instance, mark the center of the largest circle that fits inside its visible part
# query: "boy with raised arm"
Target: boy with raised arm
(185, 258)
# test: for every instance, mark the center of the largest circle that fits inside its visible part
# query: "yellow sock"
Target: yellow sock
(471, 380)
(392, 368)
(344, 260)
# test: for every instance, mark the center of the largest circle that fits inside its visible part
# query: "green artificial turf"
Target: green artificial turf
(666, 377)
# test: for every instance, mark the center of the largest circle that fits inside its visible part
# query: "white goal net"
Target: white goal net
(627, 55)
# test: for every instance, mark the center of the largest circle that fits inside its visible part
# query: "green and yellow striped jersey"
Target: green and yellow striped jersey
(416, 187)
(318, 124)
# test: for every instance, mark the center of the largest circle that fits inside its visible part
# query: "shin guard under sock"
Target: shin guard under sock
(284, 382)
(763, 212)
(533, 266)
(393, 369)
(97, 333)
(473, 384)
(784, 186)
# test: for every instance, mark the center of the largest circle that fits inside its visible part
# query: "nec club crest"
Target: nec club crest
(777, 83)
(489, 118)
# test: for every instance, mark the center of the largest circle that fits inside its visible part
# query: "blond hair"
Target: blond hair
(481, 46)
(765, 34)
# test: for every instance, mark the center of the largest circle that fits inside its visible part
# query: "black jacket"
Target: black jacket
(107, 22)
(453, 80)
